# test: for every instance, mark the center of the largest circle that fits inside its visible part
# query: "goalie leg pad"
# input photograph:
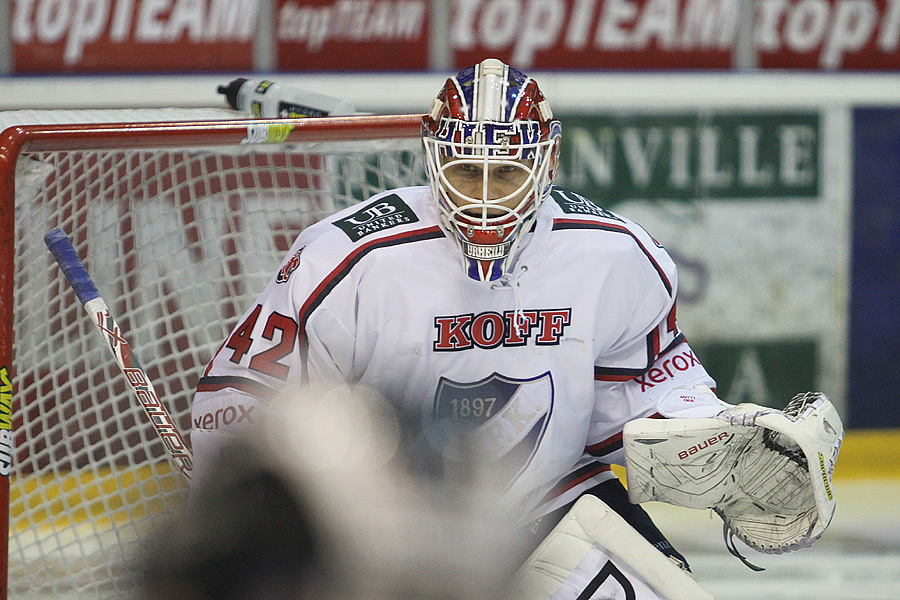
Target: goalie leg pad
(594, 553)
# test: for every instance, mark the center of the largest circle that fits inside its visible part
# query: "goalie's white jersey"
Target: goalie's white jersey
(549, 362)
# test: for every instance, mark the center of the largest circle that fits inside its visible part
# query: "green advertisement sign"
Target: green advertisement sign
(766, 373)
(692, 156)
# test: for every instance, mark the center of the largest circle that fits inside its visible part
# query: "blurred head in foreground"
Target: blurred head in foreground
(340, 496)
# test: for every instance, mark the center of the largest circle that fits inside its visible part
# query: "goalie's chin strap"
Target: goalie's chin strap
(732, 547)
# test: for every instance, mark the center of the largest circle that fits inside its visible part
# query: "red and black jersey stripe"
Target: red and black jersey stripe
(209, 383)
(343, 269)
(575, 478)
(615, 374)
(561, 224)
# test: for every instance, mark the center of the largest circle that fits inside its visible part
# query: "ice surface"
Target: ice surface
(858, 557)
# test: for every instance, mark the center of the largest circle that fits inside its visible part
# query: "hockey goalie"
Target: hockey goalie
(533, 333)
(766, 472)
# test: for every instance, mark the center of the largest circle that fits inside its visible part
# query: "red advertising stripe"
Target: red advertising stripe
(342, 35)
(656, 34)
(54, 36)
(829, 34)
(50, 36)
(585, 34)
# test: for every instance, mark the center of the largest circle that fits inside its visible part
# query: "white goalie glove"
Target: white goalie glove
(766, 472)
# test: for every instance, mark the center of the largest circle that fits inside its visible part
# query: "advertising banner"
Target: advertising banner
(677, 34)
(595, 34)
(141, 36)
(828, 34)
(530, 34)
(752, 205)
(690, 156)
(352, 35)
(53, 36)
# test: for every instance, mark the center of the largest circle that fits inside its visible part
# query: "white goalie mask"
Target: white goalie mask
(491, 151)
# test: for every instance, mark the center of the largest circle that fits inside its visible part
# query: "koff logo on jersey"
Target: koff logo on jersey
(492, 329)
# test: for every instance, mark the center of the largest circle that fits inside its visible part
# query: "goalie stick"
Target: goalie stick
(61, 247)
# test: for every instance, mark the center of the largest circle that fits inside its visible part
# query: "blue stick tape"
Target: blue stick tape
(72, 267)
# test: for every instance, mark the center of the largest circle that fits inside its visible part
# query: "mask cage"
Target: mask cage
(485, 221)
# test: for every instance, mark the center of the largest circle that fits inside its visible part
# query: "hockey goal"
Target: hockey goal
(180, 224)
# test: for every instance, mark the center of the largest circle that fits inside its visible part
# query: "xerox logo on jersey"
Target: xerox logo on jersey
(224, 416)
(289, 267)
(668, 368)
(492, 329)
(499, 420)
(573, 203)
(379, 215)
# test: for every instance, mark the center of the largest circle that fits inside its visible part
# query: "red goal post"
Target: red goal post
(179, 224)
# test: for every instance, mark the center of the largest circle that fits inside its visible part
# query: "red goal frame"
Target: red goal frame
(16, 140)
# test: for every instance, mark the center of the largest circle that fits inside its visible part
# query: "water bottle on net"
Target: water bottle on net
(267, 99)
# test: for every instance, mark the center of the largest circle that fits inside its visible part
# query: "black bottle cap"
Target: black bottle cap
(231, 91)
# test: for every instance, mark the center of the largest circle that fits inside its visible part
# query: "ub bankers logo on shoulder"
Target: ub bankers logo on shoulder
(379, 215)
(573, 203)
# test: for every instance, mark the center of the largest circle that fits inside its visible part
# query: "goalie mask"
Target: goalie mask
(491, 150)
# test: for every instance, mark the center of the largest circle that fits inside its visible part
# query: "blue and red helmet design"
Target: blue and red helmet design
(490, 115)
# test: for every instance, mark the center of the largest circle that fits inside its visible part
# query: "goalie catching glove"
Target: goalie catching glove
(766, 472)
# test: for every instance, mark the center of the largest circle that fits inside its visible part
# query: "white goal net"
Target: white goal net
(180, 227)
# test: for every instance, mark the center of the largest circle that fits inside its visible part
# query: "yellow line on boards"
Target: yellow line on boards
(869, 454)
(105, 496)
